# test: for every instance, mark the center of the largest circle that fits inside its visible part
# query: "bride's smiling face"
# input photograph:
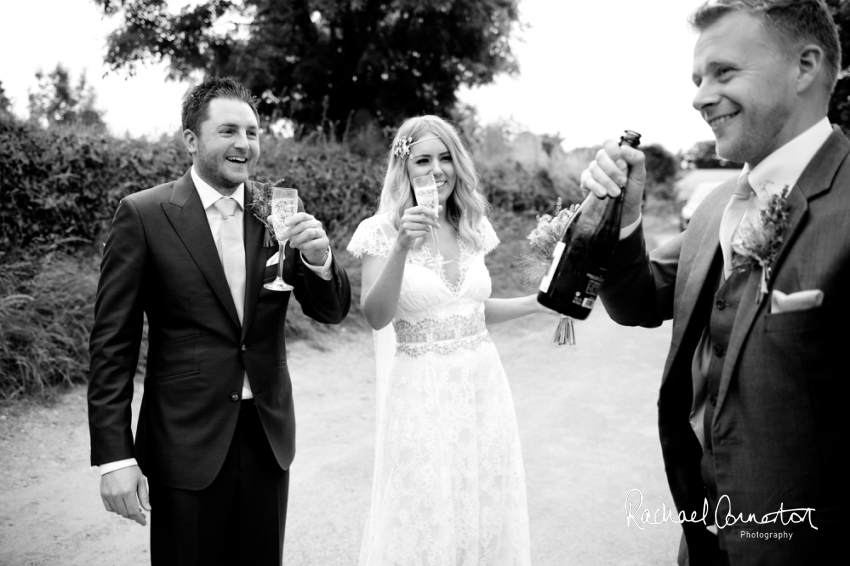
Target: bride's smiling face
(433, 157)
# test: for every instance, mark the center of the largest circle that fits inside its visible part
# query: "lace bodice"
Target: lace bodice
(426, 293)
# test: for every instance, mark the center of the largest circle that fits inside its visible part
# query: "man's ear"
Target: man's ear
(190, 140)
(809, 66)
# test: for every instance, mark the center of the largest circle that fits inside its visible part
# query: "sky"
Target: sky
(588, 70)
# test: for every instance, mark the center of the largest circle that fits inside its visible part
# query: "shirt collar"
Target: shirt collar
(209, 195)
(783, 167)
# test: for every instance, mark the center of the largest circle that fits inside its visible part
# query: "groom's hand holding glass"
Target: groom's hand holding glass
(606, 176)
(307, 235)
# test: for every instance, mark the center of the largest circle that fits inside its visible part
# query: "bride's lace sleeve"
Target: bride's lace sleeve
(491, 240)
(370, 238)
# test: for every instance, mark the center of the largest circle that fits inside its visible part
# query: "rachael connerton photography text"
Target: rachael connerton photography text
(635, 513)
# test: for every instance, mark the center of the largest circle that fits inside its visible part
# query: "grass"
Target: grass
(46, 312)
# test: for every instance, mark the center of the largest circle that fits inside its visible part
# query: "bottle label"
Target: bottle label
(593, 285)
(588, 298)
(556, 259)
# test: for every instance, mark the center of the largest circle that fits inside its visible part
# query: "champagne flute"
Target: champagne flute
(425, 189)
(284, 206)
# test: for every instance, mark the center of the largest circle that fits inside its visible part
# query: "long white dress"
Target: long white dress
(449, 483)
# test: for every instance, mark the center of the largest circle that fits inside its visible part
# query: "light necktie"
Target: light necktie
(232, 251)
(232, 255)
(731, 219)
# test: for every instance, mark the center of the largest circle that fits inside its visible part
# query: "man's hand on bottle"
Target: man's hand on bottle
(607, 175)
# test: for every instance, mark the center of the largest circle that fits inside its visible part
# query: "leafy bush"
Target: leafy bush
(337, 186)
(60, 188)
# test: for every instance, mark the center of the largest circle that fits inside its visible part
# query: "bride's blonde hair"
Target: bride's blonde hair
(465, 207)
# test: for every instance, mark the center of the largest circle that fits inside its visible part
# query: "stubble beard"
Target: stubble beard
(213, 171)
(756, 139)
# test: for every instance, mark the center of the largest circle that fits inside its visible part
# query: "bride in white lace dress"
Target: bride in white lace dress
(449, 483)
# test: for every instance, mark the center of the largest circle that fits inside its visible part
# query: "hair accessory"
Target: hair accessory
(401, 148)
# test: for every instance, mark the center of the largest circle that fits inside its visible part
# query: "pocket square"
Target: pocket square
(801, 300)
(273, 260)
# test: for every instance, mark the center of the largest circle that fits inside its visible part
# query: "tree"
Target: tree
(661, 166)
(703, 155)
(58, 102)
(5, 103)
(661, 170)
(317, 62)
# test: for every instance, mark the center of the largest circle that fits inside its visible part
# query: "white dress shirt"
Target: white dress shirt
(208, 198)
(783, 167)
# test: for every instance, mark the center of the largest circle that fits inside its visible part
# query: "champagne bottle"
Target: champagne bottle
(581, 257)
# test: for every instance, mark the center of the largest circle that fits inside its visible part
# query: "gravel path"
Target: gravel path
(587, 420)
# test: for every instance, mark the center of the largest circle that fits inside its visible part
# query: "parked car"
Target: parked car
(700, 192)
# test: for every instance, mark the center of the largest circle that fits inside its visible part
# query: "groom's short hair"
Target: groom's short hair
(791, 24)
(197, 100)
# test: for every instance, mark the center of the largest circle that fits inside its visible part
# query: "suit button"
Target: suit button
(720, 304)
(719, 351)
(234, 396)
(713, 400)
(710, 451)
(244, 348)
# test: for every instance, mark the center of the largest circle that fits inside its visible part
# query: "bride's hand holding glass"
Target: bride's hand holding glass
(415, 224)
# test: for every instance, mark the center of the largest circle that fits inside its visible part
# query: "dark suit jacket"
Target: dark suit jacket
(160, 260)
(779, 426)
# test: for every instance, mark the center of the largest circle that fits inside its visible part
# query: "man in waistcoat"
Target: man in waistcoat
(752, 400)
(216, 430)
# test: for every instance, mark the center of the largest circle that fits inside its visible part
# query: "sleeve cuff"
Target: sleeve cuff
(112, 466)
(630, 229)
(323, 271)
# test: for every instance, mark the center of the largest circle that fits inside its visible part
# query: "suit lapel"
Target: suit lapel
(187, 216)
(815, 180)
(255, 259)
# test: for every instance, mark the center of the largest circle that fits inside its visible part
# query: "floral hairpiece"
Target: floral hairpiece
(401, 148)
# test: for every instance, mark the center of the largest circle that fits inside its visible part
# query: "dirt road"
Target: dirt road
(587, 421)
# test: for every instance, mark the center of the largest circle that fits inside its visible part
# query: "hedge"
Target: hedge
(60, 187)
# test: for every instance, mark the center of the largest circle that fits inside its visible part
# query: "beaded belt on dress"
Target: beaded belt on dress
(442, 335)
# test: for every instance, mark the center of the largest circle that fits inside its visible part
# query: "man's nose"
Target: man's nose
(705, 97)
(241, 140)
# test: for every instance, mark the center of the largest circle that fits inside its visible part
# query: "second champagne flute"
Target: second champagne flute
(284, 206)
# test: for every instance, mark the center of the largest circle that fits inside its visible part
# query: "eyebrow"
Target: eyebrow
(230, 125)
(418, 155)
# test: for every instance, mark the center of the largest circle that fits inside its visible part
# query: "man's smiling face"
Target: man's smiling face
(228, 144)
(746, 88)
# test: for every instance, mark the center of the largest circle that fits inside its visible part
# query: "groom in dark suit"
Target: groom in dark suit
(216, 430)
(753, 396)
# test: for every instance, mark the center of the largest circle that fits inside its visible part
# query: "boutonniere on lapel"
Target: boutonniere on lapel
(261, 209)
(758, 243)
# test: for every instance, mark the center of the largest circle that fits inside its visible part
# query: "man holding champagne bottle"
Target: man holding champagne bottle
(751, 403)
